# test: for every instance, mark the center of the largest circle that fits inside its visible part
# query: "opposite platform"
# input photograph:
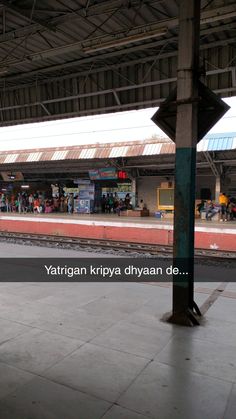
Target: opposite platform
(208, 235)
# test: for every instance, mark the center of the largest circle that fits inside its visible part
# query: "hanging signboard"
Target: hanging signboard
(107, 173)
(81, 181)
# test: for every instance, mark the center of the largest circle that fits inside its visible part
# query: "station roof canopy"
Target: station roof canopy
(113, 151)
(215, 152)
(63, 58)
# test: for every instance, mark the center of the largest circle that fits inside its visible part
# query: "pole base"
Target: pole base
(183, 318)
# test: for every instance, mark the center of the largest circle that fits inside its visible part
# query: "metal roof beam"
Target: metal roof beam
(24, 13)
(224, 43)
(105, 92)
(215, 14)
(78, 13)
(211, 163)
(122, 65)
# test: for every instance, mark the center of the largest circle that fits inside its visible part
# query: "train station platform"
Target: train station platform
(208, 235)
(101, 350)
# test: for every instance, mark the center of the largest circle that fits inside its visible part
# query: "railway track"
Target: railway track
(108, 245)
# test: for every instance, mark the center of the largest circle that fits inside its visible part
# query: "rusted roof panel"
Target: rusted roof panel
(102, 153)
(47, 155)
(73, 154)
(167, 148)
(2, 158)
(22, 158)
(136, 150)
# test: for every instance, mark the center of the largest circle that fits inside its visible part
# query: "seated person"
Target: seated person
(120, 207)
(142, 205)
(211, 210)
(231, 208)
(127, 201)
(201, 206)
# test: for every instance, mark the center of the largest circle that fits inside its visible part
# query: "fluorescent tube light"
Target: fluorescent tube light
(119, 42)
(3, 71)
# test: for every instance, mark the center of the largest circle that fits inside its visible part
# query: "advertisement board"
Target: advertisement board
(86, 191)
(107, 173)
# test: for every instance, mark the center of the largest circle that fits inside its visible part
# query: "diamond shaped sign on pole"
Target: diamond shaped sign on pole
(211, 108)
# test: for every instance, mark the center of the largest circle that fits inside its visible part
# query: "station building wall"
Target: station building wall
(228, 185)
(204, 183)
(147, 190)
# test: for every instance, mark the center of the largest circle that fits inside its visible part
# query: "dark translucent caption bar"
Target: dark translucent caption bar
(112, 270)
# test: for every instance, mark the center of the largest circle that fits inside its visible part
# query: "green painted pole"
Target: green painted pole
(185, 163)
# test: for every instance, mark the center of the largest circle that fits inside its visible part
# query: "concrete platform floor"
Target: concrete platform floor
(100, 351)
(113, 218)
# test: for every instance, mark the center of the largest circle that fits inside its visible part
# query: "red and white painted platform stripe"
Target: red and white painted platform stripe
(206, 237)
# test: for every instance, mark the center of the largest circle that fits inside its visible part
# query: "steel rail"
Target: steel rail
(73, 242)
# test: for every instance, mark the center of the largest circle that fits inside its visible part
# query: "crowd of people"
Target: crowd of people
(226, 208)
(113, 204)
(35, 203)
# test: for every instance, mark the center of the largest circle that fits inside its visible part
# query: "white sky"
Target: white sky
(122, 126)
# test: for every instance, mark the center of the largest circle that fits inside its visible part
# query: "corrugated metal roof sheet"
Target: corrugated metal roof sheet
(102, 153)
(202, 145)
(53, 65)
(47, 155)
(59, 155)
(135, 150)
(2, 158)
(22, 158)
(73, 154)
(118, 151)
(151, 149)
(114, 150)
(167, 148)
(87, 153)
(34, 157)
(11, 158)
(218, 142)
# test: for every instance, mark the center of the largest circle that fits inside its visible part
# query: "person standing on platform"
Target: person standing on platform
(31, 203)
(7, 204)
(115, 202)
(127, 201)
(62, 200)
(70, 203)
(103, 204)
(223, 201)
(111, 203)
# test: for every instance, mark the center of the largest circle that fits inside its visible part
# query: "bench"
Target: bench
(135, 213)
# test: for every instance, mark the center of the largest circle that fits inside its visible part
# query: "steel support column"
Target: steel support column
(185, 163)
(134, 190)
(217, 188)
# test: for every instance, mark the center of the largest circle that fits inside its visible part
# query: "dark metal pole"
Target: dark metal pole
(185, 164)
